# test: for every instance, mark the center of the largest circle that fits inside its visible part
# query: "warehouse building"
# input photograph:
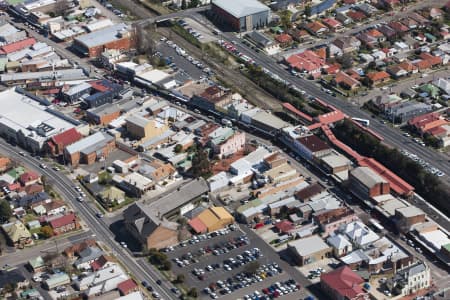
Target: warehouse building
(366, 183)
(117, 37)
(241, 15)
(29, 121)
(90, 149)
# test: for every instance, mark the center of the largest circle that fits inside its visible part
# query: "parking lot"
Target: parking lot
(215, 266)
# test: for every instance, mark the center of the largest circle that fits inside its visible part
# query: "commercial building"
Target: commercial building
(10, 34)
(148, 222)
(103, 115)
(64, 224)
(411, 279)
(308, 250)
(264, 42)
(119, 37)
(88, 150)
(365, 183)
(135, 184)
(29, 121)
(406, 217)
(343, 284)
(55, 146)
(228, 143)
(42, 78)
(56, 280)
(141, 128)
(211, 219)
(311, 147)
(241, 15)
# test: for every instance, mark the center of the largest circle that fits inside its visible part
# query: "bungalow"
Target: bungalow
(5, 163)
(388, 32)
(389, 4)
(17, 234)
(433, 60)
(64, 224)
(128, 286)
(422, 64)
(435, 13)
(316, 28)
(356, 16)
(333, 24)
(410, 23)
(284, 39)
(378, 77)
(396, 71)
(263, 42)
(346, 81)
(419, 19)
(29, 178)
(347, 44)
(376, 34)
(367, 40)
(408, 67)
(398, 27)
(37, 264)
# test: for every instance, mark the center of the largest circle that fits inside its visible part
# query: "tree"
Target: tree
(145, 40)
(183, 4)
(346, 60)
(166, 265)
(308, 11)
(251, 267)
(180, 278)
(46, 231)
(286, 21)
(194, 3)
(61, 7)
(200, 164)
(193, 292)
(5, 211)
(178, 148)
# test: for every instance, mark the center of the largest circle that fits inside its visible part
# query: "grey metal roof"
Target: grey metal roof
(367, 176)
(102, 36)
(241, 8)
(96, 140)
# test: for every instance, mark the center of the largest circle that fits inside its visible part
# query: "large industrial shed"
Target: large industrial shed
(241, 15)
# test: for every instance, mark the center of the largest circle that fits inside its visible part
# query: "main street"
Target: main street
(65, 187)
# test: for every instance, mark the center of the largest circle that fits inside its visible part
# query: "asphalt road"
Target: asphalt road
(66, 189)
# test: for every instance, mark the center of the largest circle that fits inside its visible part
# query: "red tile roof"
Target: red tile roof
(433, 60)
(313, 143)
(17, 46)
(63, 221)
(283, 38)
(67, 137)
(307, 60)
(126, 286)
(284, 226)
(377, 76)
(343, 281)
(331, 22)
(198, 225)
(28, 176)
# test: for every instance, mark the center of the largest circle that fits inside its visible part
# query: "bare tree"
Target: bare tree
(145, 39)
(61, 7)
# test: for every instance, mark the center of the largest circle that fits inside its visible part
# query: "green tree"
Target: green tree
(307, 11)
(180, 278)
(194, 3)
(183, 4)
(178, 148)
(252, 267)
(5, 210)
(166, 265)
(46, 231)
(193, 292)
(285, 19)
(200, 164)
(346, 60)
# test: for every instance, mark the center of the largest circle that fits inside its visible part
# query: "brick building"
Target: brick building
(55, 146)
(64, 224)
(365, 183)
(88, 150)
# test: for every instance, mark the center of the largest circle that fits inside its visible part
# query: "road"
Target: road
(179, 14)
(65, 187)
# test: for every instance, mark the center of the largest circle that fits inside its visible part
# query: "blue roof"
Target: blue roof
(321, 7)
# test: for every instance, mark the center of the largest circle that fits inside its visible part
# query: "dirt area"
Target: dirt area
(224, 164)
(194, 88)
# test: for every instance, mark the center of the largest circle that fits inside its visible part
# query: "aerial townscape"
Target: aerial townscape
(225, 149)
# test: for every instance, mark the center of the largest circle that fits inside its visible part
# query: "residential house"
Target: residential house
(64, 224)
(356, 16)
(37, 264)
(127, 287)
(387, 31)
(5, 164)
(346, 81)
(368, 40)
(333, 24)
(76, 249)
(347, 44)
(376, 34)
(316, 28)
(29, 178)
(87, 257)
(17, 234)
(396, 71)
(284, 39)
(32, 200)
(263, 42)
(341, 245)
(399, 27)
(378, 77)
(307, 62)
(14, 277)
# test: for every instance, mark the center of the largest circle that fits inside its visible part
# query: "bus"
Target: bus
(376, 225)
(364, 122)
(216, 31)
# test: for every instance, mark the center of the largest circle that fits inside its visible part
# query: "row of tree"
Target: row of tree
(426, 185)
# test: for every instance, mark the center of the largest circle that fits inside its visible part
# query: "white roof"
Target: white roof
(360, 234)
(338, 241)
(153, 76)
(99, 24)
(132, 296)
(308, 245)
(103, 36)
(141, 182)
(436, 238)
(97, 139)
(241, 8)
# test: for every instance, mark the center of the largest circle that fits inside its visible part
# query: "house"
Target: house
(87, 257)
(263, 42)
(104, 261)
(306, 62)
(387, 31)
(5, 163)
(341, 245)
(13, 277)
(37, 264)
(29, 178)
(56, 280)
(396, 71)
(101, 281)
(135, 184)
(343, 284)
(77, 248)
(307, 250)
(368, 40)
(284, 39)
(431, 59)
(128, 286)
(376, 34)
(411, 279)
(112, 194)
(346, 81)
(435, 13)
(64, 224)
(347, 44)
(356, 16)
(399, 27)
(378, 77)
(17, 234)
(32, 200)
(333, 24)
(316, 28)
(284, 227)
(359, 234)
(408, 67)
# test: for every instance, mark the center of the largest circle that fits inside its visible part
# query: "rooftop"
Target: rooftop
(102, 36)
(241, 8)
(308, 245)
(367, 176)
(97, 140)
